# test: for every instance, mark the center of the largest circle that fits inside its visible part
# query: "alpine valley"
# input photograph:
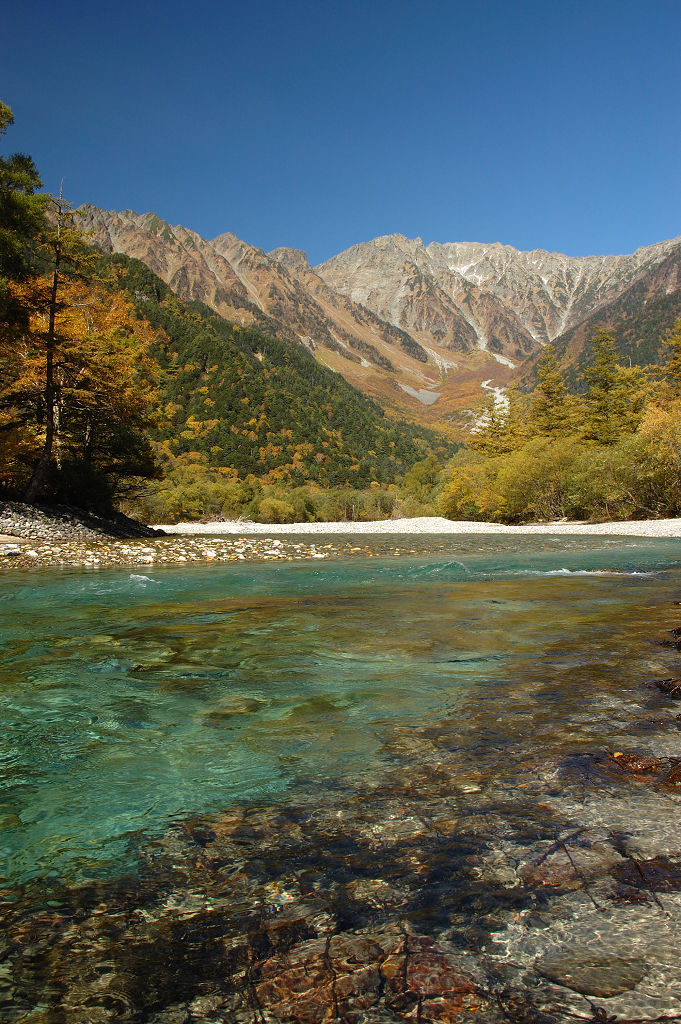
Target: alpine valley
(420, 328)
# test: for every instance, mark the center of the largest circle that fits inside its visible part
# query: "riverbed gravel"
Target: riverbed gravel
(18, 553)
(39, 538)
(434, 524)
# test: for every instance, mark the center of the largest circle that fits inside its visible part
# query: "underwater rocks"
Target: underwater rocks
(509, 884)
(636, 763)
(322, 979)
(671, 686)
(604, 977)
(658, 874)
(481, 908)
(645, 768)
(427, 980)
(570, 863)
(415, 978)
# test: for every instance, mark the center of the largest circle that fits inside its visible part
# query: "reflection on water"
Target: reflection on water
(419, 746)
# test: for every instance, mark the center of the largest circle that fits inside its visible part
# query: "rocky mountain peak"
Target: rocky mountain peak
(504, 294)
(295, 260)
(409, 324)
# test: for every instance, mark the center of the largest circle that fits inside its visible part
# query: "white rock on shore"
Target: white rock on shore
(432, 524)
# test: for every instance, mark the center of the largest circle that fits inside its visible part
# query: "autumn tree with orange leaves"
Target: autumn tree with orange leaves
(81, 392)
(77, 388)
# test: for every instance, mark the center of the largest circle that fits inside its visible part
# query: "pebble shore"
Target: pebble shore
(53, 538)
(61, 537)
(438, 525)
(19, 553)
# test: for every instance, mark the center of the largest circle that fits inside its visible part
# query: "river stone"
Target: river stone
(10, 821)
(428, 981)
(222, 712)
(603, 976)
(569, 865)
(318, 980)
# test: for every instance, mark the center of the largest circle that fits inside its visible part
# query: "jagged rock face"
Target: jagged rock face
(180, 257)
(511, 301)
(639, 317)
(295, 260)
(659, 280)
(276, 292)
(419, 327)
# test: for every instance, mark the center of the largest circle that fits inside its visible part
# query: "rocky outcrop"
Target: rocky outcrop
(640, 317)
(276, 292)
(409, 324)
(511, 301)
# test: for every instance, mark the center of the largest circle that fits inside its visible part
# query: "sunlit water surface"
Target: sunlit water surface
(132, 701)
(128, 699)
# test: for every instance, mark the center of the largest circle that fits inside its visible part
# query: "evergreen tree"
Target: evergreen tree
(550, 408)
(63, 247)
(422, 479)
(259, 405)
(502, 427)
(22, 214)
(615, 401)
(672, 371)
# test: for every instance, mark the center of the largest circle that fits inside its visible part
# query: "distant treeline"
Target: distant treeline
(611, 451)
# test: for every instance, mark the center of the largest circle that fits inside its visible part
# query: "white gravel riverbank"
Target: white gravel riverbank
(45, 538)
(430, 524)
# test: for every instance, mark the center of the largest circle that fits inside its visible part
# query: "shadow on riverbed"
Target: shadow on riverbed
(472, 813)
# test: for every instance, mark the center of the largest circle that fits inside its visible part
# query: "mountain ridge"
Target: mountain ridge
(420, 328)
(235, 398)
(569, 288)
(244, 284)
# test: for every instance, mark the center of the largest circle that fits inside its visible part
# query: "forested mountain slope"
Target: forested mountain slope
(423, 329)
(258, 404)
(639, 319)
(277, 293)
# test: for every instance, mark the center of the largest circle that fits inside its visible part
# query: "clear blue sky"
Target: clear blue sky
(320, 124)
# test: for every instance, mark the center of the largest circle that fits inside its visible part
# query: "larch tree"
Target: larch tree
(502, 428)
(63, 250)
(615, 401)
(85, 391)
(672, 369)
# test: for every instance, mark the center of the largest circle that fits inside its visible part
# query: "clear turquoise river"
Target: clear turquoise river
(129, 700)
(135, 702)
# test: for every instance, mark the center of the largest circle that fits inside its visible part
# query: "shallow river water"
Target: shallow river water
(425, 787)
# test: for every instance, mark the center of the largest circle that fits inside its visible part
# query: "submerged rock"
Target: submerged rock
(429, 980)
(671, 686)
(659, 874)
(570, 863)
(636, 763)
(604, 976)
(322, 979)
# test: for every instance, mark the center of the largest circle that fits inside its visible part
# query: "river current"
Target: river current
(433, 787)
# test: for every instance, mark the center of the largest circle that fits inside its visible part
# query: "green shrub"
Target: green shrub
(271, 510)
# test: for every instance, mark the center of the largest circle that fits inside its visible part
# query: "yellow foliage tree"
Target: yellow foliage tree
(80, 388)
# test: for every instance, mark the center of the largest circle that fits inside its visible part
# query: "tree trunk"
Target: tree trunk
(40, 472)
(89, 438)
